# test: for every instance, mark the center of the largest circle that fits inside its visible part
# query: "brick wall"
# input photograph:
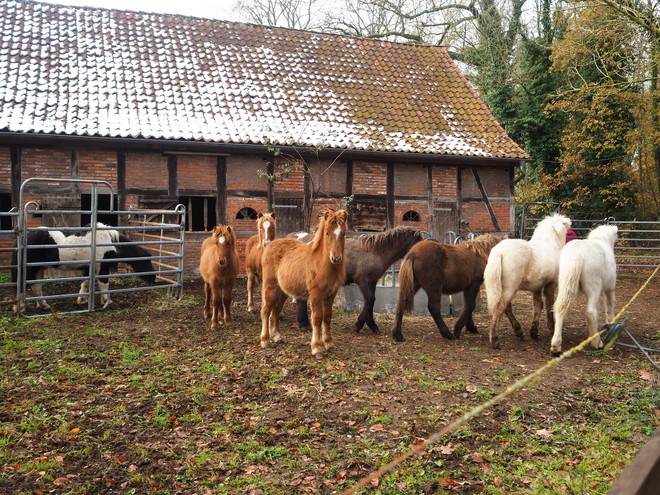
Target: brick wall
(369, 178)
(5, 166)
(197, 172)
(243, 172)
(410, 180)
(146, 170)
(98, 165)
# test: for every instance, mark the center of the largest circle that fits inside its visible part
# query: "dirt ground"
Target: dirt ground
(180, 330)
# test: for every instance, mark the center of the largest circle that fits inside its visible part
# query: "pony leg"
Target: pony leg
(367, 314)
(251, 282)
(103, 286)
(303, 316)
(208, 297)
(326, 330)
(592, 319)
(275, 335)
(465, 317)
(537, 303)
(36, 288)
(217, 306)
(317, 322)
(549, 292)
(435, 308)
(226, 303)
(555, 343)
(84, 288)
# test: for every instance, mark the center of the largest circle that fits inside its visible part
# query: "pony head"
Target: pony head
(552, 228)
(267, 227)
(224, 241)
(606, 233)
(331, 234)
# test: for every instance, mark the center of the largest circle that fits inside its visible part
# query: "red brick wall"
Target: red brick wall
(146, 170)
(98, 165)
(243, 173)
(410, 180)
(444, 182)
(369, 178)
(55, 163)
(422, 208)
(197, 172)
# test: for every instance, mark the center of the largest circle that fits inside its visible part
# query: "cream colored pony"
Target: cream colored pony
(587, 266)
(516, 264)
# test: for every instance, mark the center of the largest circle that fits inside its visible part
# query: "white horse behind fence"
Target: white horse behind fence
(516, 264)
(586, 266)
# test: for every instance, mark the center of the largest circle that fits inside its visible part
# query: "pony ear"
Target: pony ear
(260, 214)
(343, 215)
(272, 214)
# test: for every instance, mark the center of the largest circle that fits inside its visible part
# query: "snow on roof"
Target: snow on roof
(97, 72)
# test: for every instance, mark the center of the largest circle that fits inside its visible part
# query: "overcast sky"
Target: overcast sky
(213, 9)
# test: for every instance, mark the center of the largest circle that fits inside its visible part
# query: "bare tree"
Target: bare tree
(293, 14)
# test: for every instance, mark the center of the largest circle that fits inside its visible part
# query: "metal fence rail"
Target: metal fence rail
(638, 243)
(160, 232)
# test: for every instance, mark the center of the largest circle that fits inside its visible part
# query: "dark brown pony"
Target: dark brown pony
(313, 271)
(254, 249)
(444, 269)
(218, 267)
(367, 259)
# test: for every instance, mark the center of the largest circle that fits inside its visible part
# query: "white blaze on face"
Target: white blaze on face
(338, 232)
(266, 226)
(221, 239)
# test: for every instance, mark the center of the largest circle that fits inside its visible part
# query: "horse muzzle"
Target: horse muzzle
(222, 262)
(335, 259)
(265, 243)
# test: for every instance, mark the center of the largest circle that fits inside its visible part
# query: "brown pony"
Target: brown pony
(313, 271)
(254, 249)
(444, 269)
(218, 267)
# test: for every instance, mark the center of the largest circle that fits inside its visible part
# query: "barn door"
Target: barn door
(289, 216)
(445, 219)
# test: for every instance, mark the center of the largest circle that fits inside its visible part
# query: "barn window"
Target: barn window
(5, 206)
(246, 214)
(411, 216)
(200, 212)
(103, 203)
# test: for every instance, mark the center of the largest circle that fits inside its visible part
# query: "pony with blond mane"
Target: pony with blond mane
(314, 271)
(254, 250)
(587, 266)
(218, 267)
(516, 264)
(443, 269)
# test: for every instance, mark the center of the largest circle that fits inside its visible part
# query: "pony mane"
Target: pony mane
(328, 215)
(384, 241)
(607, 233)
(546, 227)
(482, 244)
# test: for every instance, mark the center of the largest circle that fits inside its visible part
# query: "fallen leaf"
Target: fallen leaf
(544, 433)
(61, 481)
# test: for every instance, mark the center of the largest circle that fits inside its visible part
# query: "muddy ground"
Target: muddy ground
(419, 385)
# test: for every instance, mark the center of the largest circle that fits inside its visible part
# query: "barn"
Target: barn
(231, 119)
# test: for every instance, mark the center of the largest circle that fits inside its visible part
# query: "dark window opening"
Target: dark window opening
(200, 213)
(5, 206)
(247, 214)
(103, 204)
(411, 216)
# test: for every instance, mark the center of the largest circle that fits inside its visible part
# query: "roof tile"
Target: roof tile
(98, 72)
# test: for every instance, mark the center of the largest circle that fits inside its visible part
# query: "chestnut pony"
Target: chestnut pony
(218, 267)
(444, 269)
(313, 271)
(254, 249)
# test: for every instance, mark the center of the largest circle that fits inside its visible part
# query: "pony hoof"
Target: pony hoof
(276, 338)
(495, 344)
(534, 335)
(398, 337)
(264, 344)
(306, 329)
(555, 353)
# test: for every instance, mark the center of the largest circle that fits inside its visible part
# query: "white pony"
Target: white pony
(586, 266)
(516, 264)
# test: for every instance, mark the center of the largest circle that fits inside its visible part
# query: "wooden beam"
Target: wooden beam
(481, 187)
(642, 476)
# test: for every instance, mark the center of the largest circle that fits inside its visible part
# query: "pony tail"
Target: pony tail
(493, 282)
(569, 284)
(406, 301)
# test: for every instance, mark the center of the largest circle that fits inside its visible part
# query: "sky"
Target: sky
(212, 9)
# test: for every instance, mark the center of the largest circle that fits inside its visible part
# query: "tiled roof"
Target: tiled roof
(97, 72)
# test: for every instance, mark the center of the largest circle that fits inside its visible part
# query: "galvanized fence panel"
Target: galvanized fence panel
(161, 232)
(8, 223)
(637, 246)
